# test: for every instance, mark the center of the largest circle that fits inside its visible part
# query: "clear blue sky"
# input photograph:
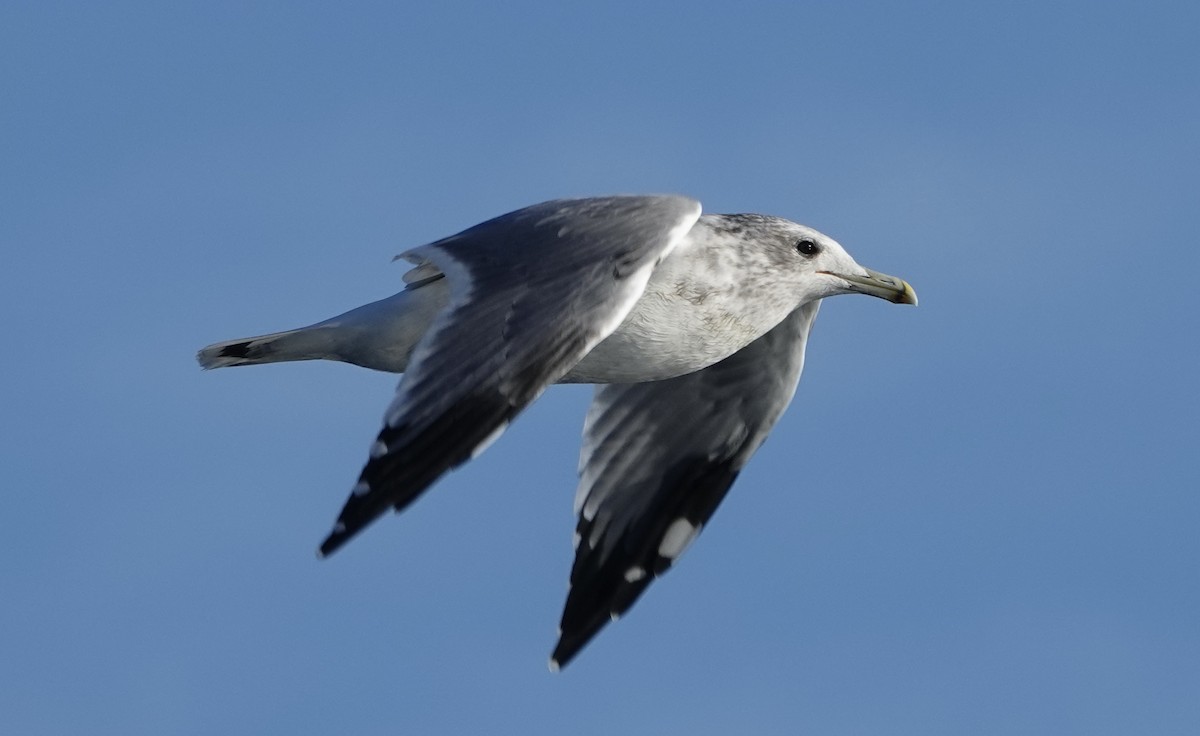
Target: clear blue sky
(979, 516)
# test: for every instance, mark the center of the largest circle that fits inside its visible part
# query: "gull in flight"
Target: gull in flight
(692, 325)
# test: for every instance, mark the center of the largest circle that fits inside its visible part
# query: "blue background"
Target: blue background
(979, 515)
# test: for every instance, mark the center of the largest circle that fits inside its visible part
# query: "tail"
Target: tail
(278, 347)
(379, 335)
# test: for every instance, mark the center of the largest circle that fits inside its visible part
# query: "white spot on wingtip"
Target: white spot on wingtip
(634, 574)
(553, 665)
(677, 538)
(379, 449)
(576, 538)
(613, 616)
(589, 510)
(360, 488)
(487, 441)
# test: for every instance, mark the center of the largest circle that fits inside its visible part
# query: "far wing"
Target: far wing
(531, 293)
(657, 460)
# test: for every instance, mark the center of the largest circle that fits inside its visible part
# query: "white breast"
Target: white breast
(693, 314)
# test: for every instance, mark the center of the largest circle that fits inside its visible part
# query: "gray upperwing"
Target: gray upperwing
(657, 460)
(531, 292)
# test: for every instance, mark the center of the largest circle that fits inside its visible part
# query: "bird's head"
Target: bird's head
(817, 264)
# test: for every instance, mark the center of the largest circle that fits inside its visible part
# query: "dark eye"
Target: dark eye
(807, 247)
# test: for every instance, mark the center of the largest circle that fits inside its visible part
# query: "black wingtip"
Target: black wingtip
(571, 642)
(563, 653)
(334, 541)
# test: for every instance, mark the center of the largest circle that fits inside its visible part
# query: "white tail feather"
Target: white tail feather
(379, 335)
(277, 347)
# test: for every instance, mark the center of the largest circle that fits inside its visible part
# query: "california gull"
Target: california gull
(693, 326)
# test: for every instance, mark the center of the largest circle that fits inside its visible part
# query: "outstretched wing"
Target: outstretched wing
(531, 293)
(657, 460)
